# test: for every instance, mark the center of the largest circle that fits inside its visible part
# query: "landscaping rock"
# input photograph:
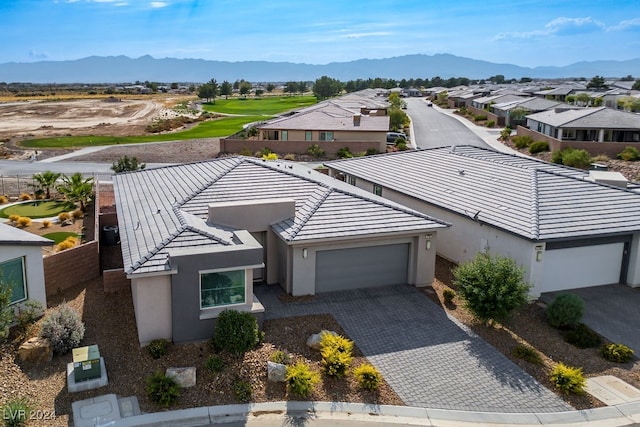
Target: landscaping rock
(184, 377)
(276, 372)
(314, 340)
(35, 350)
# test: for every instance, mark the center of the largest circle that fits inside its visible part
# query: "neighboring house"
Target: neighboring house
(195, 237)
(565, 230)
(559, 93)
(21, 264)
(514, 112)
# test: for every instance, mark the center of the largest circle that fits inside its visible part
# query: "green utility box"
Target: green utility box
(86, 363)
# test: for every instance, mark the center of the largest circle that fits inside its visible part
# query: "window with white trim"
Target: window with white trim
(326, 136)
(219, 288)
(12, 273)
(568, 134)
(351, 179)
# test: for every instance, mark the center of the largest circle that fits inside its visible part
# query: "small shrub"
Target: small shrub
(236, 332)
(162, 389)
(270, 156)
(46, 223)
(14, 218)
(28, 313)
(565, 310)
(490, 124)
(25, 197)
(63, 216)
(290, 157)
(24, 221)
(158, 348)
(242, 390)
(567, 379)
(582, 337)
(527, 353)
(479, 117)
(315, 151)
(77, 213)
(301, 379)
(67, 243)
(344, 153)
(576, 158)
(402, 146)
(4, 200)
(368, 377)
(336, 354)
(245, 152)
(505, 133)
(281, 357)
(214, 364)
(556, 157)
(538, 147)
(522, 141)
(600, 158)
(15, 413)
(619, 353)
(63, 328)
(265, 151)
(629, 154)
(370, 152)
(448, 295)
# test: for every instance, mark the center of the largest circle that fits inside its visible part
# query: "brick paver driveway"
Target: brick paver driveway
(429, 359)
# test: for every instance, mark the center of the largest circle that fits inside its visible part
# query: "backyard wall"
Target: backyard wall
(228, 145)
(71, 267)
(115, 280)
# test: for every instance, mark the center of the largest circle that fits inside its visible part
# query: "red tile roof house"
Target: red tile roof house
(195, 237)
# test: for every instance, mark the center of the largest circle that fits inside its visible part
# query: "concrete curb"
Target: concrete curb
(619, 415)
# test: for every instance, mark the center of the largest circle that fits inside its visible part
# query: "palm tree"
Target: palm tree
(45, 181)
(77, 189)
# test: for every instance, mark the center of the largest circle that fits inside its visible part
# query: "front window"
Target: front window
(284, 135)
(568, 134)
(326, 136)
(12, 273)
(377, 190)
(222, 288)
(351, 179)
(307, 135)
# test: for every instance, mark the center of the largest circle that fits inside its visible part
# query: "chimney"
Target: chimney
(356, 119)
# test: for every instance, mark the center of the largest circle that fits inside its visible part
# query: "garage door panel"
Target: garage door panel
(364, 267)
(584, 266)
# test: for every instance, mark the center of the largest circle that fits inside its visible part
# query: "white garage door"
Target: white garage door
(583, 266)
(365, 267)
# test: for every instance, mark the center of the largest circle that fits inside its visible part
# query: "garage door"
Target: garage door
(583, 266)
(365, 267)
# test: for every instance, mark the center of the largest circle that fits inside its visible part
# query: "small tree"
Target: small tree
(6, 314)
(46, 181)
(492, 286)
(126, 164)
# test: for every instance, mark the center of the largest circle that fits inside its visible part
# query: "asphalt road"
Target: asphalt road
(432, 129)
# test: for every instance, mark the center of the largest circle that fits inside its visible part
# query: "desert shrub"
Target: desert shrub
(236, 332)
(344, 153)
(505, 133)
(270, 156)
(368, 377)
(315, 151)
(67, 243)
(492, 286)
(565, 310)
(538, 147)
(402, 145)
(567, 379)
(28, 313)
(490, 123)
(281, 357)
(3, 200)
(242, 390)
(619, 353)
(576, 159)
(522, 141)
(162, 389)
(370, 152)
(448, 295)
(15, 413)
(24, 221)
(77, 213)
(252, 131)
(527, 353)
(46, 223)
(214, 364)
(290, 156)
(582, 337)
(600, 158)
(6, 313)
(556, 157)
(479, 117)
(301, 379)
(264, 151)
(63, 216)
(63, 328)
(336, 354)
(629, 154)
(158, 348)
(245, 152)
(14, 218)
(24, 196)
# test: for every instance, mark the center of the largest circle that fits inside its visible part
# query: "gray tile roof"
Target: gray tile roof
(599, 118)
(167, 208)
(10, 235)
(527, 197)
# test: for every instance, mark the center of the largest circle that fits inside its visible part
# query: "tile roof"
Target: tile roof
(14, 236)
(527, 197)
(601, 117)
(167, 208)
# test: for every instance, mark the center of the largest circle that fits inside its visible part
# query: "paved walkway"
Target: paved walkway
(429, 359)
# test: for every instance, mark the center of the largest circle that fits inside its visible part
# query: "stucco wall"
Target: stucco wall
(152, 305)
(33, 266)
(633, 273)
(71, 267)
(228, 145)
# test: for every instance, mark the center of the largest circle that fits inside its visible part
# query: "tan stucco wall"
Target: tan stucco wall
(152, 305)
(34, 269)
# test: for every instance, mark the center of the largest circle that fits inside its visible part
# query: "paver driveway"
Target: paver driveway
(429, 359)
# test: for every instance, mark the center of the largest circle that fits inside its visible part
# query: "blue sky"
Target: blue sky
(521, 32)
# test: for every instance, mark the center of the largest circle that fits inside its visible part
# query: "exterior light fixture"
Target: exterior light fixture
(304, 253)
(539, 249)
(427, 244)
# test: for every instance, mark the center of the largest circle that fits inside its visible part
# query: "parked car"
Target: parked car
(392, 136)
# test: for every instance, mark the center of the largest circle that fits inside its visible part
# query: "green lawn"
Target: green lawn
(60, 236)
(37, 209)
(259, 106)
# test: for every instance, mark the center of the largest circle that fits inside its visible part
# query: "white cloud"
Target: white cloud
(361, 35)
(559, 26)
(158, 4)
(625, 25)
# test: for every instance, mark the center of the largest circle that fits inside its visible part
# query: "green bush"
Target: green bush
(479, 117)
(538, 147)
(6, 313)
(242, 390)
(344, 153)
(576, 159)
(281, 357)
(236, 332)
(619, 353)
(556, 157)
(567, 379)
(629, 154)
(492, 287)
(315, 151)
(158, 348)
(214, 364)
(565, 310)
(336, 354)
(301, 379)
(162, 390)
(490, 123)
(15, 413)
(448, 295)
(368, 377)
(371, 152)
(522, 141)
(63, 328)
(582, 337)
(505, 133)
(527, 353)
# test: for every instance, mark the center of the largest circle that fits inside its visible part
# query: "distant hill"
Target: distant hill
(119, 69)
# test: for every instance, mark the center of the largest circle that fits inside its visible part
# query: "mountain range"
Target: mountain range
(122, 69)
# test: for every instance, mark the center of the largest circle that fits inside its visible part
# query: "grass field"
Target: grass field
(259, 106)
(37, 209)
(60, 236)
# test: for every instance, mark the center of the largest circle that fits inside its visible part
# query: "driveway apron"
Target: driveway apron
(428, 358)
